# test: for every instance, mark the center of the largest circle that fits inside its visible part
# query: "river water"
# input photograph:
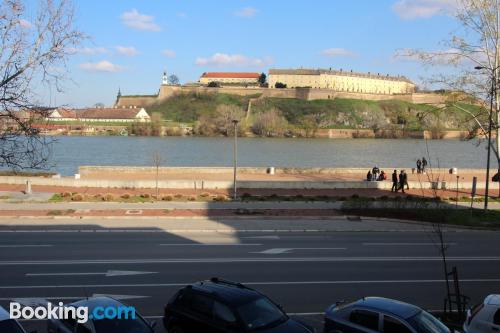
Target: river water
(68, 153)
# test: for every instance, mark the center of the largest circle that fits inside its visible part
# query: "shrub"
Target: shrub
(125, 196)
(178, 196)
(145, 196)
(108, 197)
(355, 196)
(167, 197)
(77, 197)
(66, 194)
(191, 198)
(205, 195)
(220, 197)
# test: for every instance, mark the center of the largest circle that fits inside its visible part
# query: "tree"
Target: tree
(173, 79)
(473, 54)
(262, 79)
(213, 84)
(157, 160)
(32, 54)
(280, 85)
(270, 123)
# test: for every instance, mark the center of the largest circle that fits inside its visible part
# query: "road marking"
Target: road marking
(242, 260)
(25, 245)
(271, 283)
(210, 244)
(109, 273)
(262, 237)
(41, 300)
(289, 250)
(406, 244)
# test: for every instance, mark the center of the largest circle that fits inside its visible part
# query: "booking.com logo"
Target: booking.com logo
(80, 314)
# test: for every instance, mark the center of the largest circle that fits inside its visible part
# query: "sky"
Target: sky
(131, 43)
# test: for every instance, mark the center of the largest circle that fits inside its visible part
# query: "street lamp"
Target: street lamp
(490, 125)
(235, 157)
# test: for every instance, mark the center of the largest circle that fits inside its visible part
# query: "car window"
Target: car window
(69, 323)
(496, 318)
(426, 323)
(392, 325)
(136, 325)
(82, 329)
(10, 326)
(184, 299)
(202, 304)
(364, 318)
(260, 313)
(223, 313)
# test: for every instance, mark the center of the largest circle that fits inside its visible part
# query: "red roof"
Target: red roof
(236, 75)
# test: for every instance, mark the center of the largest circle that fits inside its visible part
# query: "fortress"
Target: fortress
(303, 84)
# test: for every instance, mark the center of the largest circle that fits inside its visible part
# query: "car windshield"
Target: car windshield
(121, 326)
(260, 313)
(10, 326)
(427, 323)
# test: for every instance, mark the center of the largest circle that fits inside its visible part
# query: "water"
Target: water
(71, 152)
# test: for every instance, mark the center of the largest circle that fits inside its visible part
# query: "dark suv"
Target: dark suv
(220, 306)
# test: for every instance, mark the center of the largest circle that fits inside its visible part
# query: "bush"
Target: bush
(178, 196)
(66, 194)
(125, 196)
(145, 195)
(280, 85)
(77, 197)
(167, 197)
(355, 196)
(108, 197)
(191, 198)
(220, 197)
(205, 195)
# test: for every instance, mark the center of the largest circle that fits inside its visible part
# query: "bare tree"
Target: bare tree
(473, 52)
(157, 160)
(32, 54)
(173, 79)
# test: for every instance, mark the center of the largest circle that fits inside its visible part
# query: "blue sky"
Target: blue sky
(132, 42)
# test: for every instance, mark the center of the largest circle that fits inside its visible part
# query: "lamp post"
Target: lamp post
(490, 125)
(235, 157)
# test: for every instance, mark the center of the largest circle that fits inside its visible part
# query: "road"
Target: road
(305, 272)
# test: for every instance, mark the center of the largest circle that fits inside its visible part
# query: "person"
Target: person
(424, 164)
(394, 181)
(405, 177)
(375, 172)
(419, 165)
(402, 181)
(382, 176)
(369, 176)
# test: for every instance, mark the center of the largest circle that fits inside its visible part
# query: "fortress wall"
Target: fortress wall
(428, 98)
(139, 101)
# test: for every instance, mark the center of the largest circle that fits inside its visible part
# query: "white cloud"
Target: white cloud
(181, 15)
(88, 50)
(168, 53)
(25, 24)
(338, 52)
(134, 19)
(414, 9)
(101, 66)
(246, 12)
(127, 50)
(232, 60)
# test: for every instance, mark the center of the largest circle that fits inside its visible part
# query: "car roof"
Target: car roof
(93, 302)
(230, 293)
(390, 306)
(492, 300)
(4, 315)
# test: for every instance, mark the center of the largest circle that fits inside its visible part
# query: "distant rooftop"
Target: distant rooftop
(235, 75)
(319, 71)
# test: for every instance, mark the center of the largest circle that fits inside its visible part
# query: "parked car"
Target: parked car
(137, 325)
(221, 306)
(377, 314)
(484, 317)
(7, 324)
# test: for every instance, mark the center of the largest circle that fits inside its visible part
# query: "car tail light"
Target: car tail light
(475, 310)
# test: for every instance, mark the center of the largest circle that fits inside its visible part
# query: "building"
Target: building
(339, 80)
(124, 115)
(230, 78)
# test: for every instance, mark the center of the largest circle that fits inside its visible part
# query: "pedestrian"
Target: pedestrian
(402, 181)
(405, 177)
(424, 164)
(375, 173)
(419, 165)
(369, 176)
(394, 181)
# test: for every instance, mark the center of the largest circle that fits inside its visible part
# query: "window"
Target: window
(222, 312)
(392, 325)
(202, 304)
(496, 318)
(364, 318)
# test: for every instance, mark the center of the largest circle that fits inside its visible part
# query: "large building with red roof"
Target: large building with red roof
(230, 78)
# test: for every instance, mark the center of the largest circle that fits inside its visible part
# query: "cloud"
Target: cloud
(232, 60)
(415, 9)
(246, 12)
(101, 66)
(168, 53)
(88, 50)
(135, 20)
(338, 52)
(25, 24)
(181, 15)
(127, 50)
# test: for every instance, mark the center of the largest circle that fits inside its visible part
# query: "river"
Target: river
(68, 153)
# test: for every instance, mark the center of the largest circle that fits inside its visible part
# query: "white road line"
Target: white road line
(25, 245)
(108, 273)
(271, 283)
(210, 244)
(405, 244)
(289, 250)
(34, 300)
(242, 260)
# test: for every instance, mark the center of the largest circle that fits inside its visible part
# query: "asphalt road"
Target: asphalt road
(305, 272)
